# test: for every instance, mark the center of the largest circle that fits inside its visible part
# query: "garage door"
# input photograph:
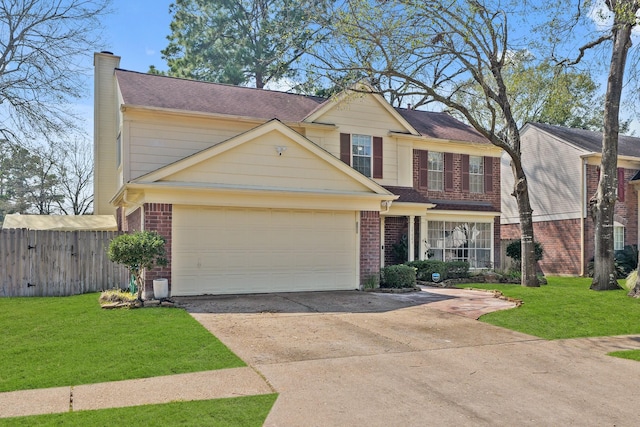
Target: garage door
(229, 250)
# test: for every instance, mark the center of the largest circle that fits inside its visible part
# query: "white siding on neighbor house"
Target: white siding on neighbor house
(157, 140)
(554, 173)
(236, 250)
(362, 114)
(257, 163)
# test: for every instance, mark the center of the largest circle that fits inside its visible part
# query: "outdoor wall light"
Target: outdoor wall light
(280, 149)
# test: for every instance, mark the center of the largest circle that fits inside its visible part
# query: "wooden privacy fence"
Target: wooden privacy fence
(57, 263)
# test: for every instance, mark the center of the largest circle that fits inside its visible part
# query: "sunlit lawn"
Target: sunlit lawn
(567, 308)
(240, 411)
(51, 342)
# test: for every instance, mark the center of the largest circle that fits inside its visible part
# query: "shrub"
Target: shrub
(627, 258)
(138, 251)
(425, 268)
(447, 270)
(398, 276)
(514, 250)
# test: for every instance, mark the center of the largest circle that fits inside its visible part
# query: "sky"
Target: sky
(137, 31)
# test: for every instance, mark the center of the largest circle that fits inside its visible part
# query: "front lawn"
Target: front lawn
(52, 342)
(239, 411)
(567, 308)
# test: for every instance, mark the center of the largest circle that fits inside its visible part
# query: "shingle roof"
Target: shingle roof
(189, 95)
(150, 90)
(441, 125)
(456, 205)
(591, 141)
(407, 194)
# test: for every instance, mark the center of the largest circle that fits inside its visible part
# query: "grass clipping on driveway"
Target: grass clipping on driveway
(52, 342)
(567, 308)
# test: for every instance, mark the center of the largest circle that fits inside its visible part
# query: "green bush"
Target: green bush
(398, 276)
(447, 270)
(514, 250)
(138, 251)
(456, 269)
(427, 267)
(627, 259)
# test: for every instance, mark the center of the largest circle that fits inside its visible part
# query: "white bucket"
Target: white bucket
(161, 288)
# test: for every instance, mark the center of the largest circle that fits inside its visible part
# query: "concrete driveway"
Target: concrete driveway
(355, 358)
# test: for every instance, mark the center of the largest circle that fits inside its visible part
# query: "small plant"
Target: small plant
(371, 282)
(116, 296)
(398, 276)
(138, 251)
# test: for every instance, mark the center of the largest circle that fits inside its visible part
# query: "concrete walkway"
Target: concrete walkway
(381, 359)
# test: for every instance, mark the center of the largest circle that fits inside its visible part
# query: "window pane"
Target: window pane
(435, 171)
(476, 174)
(361, 153)
(460, 241)
(618, 238)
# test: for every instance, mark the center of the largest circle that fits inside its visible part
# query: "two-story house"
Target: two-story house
(264, 191)
(563, 168)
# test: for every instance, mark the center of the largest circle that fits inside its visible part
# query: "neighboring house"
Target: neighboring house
(562, 167)
(262, 191)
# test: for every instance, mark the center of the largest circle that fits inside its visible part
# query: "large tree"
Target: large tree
(540, 91)
(435, 51)
(42, 44)
(602, 31)
(239, 41)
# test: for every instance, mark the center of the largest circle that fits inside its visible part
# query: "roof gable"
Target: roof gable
(347, 96)
(269, 156)
(589, 141)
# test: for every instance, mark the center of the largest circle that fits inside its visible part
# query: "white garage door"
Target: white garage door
(229, 250)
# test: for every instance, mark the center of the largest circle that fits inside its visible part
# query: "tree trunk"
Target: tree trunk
(602, 205)
(527, 248)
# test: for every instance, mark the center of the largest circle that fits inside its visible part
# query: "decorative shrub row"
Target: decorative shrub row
(446, 269)
(398, 276)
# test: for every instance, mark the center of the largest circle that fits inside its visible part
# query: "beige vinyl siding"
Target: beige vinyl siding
(363, 114)
(554, 173)
(156, 140)
(257, 164)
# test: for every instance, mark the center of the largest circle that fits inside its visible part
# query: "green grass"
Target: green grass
(567, 308)
(239, 411)
(51, 342)
(627, 354)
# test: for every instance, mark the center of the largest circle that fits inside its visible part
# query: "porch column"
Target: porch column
(423, 238)
(382, 242)
(411, 238)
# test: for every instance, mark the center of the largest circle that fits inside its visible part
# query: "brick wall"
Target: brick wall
(133, 221)
(158, 217)
(625, 212)
(394, 228)
(369, 245)
(457, 194)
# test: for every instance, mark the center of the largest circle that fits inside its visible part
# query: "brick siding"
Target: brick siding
(457, 194)
(158, 217)
(133, 221)
(561, 239)
(369, 245)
